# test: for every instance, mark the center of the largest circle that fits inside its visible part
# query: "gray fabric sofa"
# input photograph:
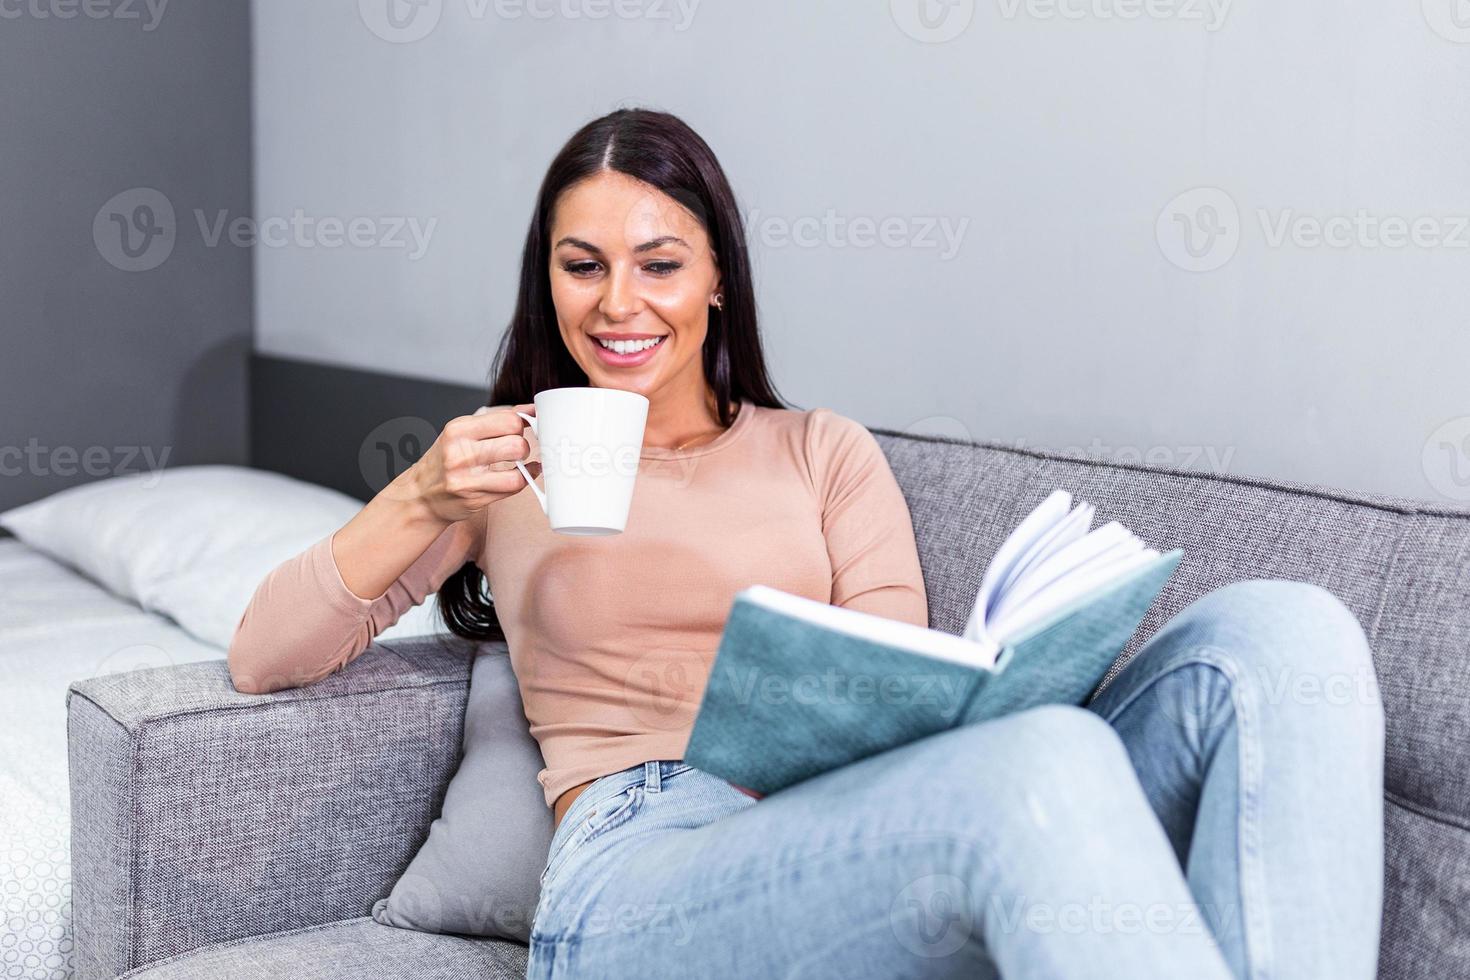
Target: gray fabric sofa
(217, 834)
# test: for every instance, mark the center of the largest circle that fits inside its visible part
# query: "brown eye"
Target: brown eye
(663, 268)
(584, 267)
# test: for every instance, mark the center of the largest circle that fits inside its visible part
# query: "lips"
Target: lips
(614, 359)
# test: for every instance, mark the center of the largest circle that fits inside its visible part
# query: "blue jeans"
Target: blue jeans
(1216, 811)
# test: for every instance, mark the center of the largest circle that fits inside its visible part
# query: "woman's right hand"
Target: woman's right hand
(472, 463)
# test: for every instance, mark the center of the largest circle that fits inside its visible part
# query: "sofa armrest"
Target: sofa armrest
(202, 814)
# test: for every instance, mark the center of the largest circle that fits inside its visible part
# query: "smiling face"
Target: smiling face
(629, 263)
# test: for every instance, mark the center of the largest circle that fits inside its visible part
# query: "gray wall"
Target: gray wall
(111, 364)
(1054, 142)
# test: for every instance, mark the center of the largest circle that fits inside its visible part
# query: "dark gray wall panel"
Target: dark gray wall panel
(105, 371)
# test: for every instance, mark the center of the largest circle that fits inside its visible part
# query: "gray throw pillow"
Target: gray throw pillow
(479, 872)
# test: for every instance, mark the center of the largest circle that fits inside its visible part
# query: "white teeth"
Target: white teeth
(629, 346)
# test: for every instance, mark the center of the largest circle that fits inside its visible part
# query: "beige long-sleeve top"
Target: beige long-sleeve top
(612, 638)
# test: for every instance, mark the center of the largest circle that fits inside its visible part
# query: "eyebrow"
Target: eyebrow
(645, 247)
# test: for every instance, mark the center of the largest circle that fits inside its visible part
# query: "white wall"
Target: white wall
(1053, 139)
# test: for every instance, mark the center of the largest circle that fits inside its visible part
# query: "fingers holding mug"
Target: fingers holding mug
(504, 440)
(472, 464)
(530, 419)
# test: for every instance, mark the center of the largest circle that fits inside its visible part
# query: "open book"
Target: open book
(799, 686)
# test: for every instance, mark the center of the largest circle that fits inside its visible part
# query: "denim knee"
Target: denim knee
(1335, 636)
(1042, 766)
(1296, 641)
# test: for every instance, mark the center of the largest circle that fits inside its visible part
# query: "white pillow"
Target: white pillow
(192, 542)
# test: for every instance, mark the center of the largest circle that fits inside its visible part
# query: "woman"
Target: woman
(1207, 817)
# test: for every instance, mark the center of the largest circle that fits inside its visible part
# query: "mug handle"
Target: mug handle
(540, 494)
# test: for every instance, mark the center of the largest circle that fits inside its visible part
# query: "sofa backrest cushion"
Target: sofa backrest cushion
(1402, 566)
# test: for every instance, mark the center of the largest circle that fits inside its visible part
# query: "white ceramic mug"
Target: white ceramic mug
(591, 440)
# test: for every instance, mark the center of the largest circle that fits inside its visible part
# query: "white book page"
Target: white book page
(918, 639)
(1109, 540)
(1011, 551)
(1071, 528)
(1067, 589)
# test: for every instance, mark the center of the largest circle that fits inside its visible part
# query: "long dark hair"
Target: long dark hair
(662, 151)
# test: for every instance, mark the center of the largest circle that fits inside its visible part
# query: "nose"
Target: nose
(620, 298)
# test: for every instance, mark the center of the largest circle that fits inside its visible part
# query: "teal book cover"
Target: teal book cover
(790, 696)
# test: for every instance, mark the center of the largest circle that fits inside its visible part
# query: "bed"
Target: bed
(112, 576)
(56, 626)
